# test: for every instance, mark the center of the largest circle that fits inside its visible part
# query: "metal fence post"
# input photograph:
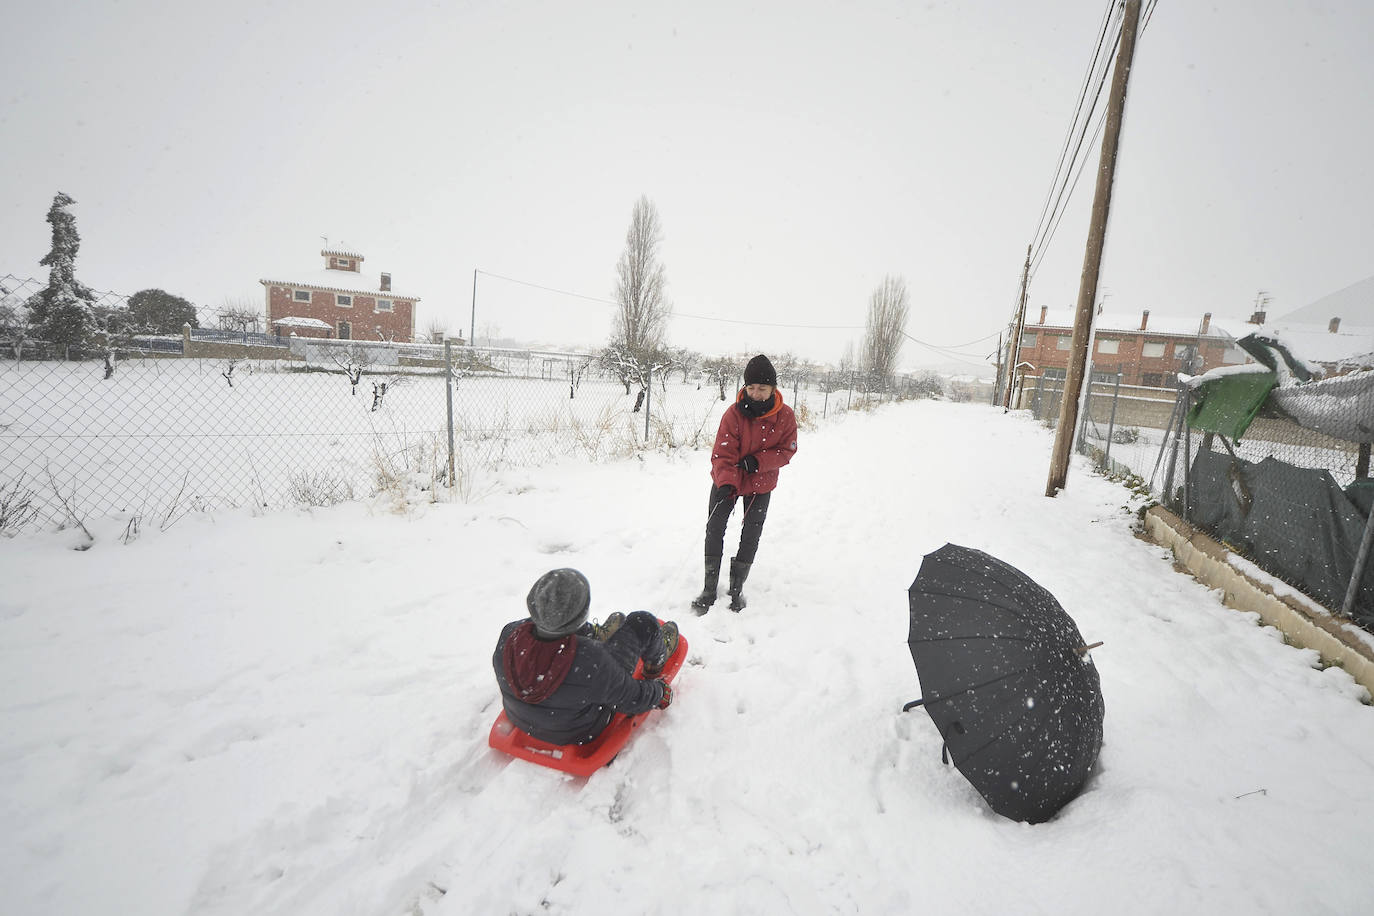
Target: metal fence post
(825, 407)
(648, 397)
(1187, 460)
(448, 396)
(1111, 423)
(1087, 413)
(1361, 561)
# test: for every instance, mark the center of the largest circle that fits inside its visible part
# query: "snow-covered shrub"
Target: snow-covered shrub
(16, 507)
(319, 488)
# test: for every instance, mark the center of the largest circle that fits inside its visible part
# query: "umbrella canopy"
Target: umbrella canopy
(1007, 680)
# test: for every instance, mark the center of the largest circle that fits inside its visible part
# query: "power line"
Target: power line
(1040, 255)
(547, 289)
(1068, 135)
(1043, 237)
(951, 349)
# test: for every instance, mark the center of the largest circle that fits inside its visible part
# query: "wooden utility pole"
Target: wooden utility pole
(1092, 257)
(1014, 349)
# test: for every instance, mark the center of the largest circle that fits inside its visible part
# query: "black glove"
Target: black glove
(748, 464)
(667, 696)
(722, 492)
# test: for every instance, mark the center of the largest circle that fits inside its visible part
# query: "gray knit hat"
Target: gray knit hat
(558, 602)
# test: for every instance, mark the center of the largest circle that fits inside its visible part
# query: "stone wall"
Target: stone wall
(1304, 623)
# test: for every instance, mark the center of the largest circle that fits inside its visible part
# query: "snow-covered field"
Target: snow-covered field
(164, 438)
(287, 714)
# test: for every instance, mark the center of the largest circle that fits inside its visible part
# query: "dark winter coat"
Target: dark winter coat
(571, 686)
(771, 438)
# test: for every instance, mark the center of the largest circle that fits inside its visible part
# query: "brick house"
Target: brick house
(339, 301)
(1147, 351)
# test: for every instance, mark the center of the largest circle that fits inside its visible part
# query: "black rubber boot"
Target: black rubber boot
(707, 597)
(738, 573)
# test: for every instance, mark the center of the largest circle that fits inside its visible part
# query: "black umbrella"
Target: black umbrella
(1007, 680)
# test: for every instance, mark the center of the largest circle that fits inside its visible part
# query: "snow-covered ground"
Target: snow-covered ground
(288, 713)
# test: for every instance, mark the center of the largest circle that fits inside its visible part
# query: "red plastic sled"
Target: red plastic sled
(579, 759)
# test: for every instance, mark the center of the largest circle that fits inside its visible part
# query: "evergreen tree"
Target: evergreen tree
(63, 312)
(158, 312)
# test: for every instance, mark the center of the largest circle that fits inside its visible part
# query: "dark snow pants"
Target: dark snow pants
(638, 638)
(755, 512)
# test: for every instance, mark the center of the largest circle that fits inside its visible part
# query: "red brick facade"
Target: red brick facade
(354, 305)
(1143, 356)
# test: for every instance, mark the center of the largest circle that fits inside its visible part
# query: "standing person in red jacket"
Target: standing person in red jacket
(757, 436)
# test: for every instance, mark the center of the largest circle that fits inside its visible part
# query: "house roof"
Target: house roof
(1316, 344)
(342, 253)
(1354, 305)
(1130, 322)
(366, 283)
(303, 323)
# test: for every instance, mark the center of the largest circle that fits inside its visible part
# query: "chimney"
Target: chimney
(1144, 319)
(1206, 323)
(1257, 317)
(386, 283)
(1334, 326)
(1044, 310)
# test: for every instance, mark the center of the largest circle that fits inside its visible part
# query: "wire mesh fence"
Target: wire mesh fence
(1280, 475)
(222, 417)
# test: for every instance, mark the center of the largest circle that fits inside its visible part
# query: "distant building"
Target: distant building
(1336, 332)
(339, 301)
(1147, 350)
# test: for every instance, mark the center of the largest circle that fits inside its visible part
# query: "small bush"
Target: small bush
(319, 488)
(16, 507)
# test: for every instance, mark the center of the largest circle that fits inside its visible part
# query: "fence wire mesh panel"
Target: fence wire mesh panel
(163, 416)
(163, 437)
(1292, 494)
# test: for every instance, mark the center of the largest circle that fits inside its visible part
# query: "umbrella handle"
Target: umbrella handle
(913, 704)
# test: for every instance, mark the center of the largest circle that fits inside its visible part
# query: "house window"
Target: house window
(383, 305)
(345, 331)
(1052, 374)
(345, 302)
(1153, 348)
(1108, 345)
(1152, 379)
(1104, 376)
(301, 295)
(342, 262)
(1181, 350)
(1028, 341)
(1062, 341)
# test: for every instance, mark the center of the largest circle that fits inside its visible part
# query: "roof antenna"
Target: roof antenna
(326, 240)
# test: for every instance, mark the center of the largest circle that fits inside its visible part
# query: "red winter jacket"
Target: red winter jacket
(771, 438)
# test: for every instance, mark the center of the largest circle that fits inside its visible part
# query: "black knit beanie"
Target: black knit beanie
(558, 602)
(760, 372)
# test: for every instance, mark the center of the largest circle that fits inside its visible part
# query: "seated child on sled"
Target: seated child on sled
(562, 678)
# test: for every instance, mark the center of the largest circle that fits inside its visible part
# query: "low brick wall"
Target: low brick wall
(223, 349)
(1336, 639)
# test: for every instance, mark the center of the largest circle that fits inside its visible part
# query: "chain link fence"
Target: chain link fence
(226, 416)
(1281, 475)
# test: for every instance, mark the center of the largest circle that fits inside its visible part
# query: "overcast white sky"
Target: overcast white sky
(797, 152)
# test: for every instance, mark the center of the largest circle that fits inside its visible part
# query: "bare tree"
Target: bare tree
(14, 322)
(436, 330)
(887, 313)
(628, 368)
(112, 330)
(720, 370)
(641, 282)
(239, 315)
